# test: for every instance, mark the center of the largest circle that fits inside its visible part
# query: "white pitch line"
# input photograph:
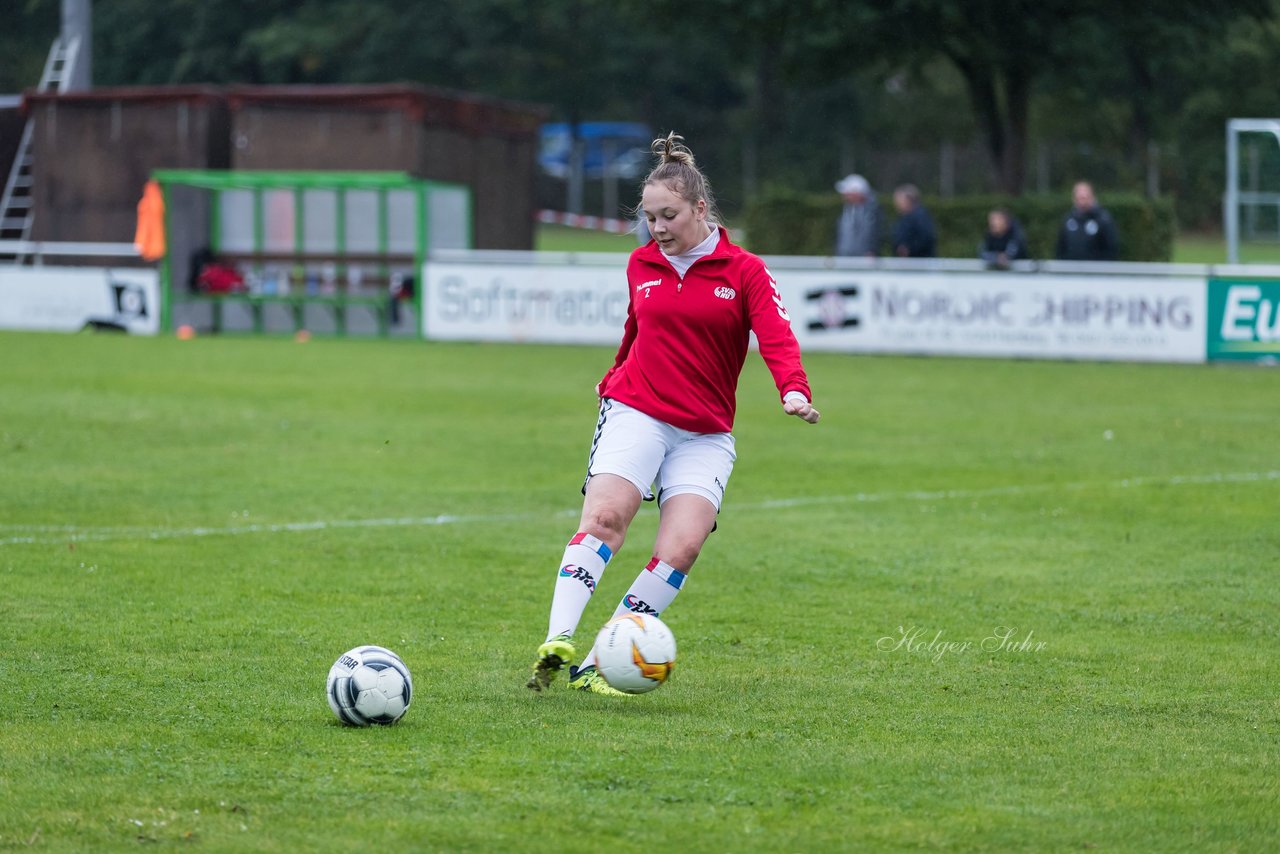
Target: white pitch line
(59, 534)
(72, 534)
(1026, 489)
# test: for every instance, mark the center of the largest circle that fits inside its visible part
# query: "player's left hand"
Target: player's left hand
(801, 409)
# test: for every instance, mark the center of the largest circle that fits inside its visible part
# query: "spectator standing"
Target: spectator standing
(913, 234)
(1003, 242)
(1088, 233)
(858, 228)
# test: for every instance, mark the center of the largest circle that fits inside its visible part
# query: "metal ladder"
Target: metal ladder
(16, 202)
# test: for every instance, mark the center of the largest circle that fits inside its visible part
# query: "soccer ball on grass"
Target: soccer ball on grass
(635, 652)
(369, 685)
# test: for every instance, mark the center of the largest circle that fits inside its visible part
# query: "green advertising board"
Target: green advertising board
(1244, 320)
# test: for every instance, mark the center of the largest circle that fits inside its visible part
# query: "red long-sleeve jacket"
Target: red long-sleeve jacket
(685, 340)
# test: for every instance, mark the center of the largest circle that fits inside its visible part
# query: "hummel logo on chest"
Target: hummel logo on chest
(644, 286)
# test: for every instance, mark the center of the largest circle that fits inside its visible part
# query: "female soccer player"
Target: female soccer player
(667, 404)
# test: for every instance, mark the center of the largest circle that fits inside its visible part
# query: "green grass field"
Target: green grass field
(1212, 249)
(562, 238)
(191, 532)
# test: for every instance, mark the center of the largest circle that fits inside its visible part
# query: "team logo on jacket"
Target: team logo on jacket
(725, 293)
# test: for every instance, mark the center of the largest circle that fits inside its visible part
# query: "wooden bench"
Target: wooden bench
(337, 304)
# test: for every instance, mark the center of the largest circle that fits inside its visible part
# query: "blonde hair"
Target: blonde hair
(679, 172)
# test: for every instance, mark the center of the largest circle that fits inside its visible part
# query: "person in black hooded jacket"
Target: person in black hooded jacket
(1003, 243)
(1088, 233)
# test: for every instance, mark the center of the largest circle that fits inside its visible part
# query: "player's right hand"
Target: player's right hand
(801, 409)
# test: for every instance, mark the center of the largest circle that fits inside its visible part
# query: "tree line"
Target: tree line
(768, 92)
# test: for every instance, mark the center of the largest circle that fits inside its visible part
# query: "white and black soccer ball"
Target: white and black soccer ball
(369, 685)
(635, 652)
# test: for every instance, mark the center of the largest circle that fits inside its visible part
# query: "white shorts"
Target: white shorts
(655, 456)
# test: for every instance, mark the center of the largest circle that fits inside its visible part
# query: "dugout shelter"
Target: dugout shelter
(328, 252)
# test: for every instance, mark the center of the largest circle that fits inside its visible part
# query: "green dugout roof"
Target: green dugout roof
(223, 179)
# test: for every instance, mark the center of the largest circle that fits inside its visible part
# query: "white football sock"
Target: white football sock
(652, 592)
(584, 562)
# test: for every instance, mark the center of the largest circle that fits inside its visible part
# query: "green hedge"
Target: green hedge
(785, 223)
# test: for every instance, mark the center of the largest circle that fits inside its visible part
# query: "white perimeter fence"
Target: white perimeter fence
(947, 307)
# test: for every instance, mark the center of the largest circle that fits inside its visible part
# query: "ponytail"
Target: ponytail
(679, 172)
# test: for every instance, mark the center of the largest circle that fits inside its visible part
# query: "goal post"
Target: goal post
(1256, 199)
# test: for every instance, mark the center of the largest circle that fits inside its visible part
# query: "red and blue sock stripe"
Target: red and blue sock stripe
(666, 572)
(594, 543)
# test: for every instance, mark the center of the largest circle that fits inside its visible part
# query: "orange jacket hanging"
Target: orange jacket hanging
(149, 237)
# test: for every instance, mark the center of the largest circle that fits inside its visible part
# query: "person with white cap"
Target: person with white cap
(858, 228)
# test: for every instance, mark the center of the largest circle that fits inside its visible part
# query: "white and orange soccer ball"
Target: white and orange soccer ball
(635, 653)
(369, 685)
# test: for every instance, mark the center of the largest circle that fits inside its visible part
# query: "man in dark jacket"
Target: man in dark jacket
(1003, 243)
(913, 233)
(1088, 233)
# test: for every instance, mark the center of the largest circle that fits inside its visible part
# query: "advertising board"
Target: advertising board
(1244, 319)
(1001, 314)
(68, 299)
(558, 304)
(1023, 315)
